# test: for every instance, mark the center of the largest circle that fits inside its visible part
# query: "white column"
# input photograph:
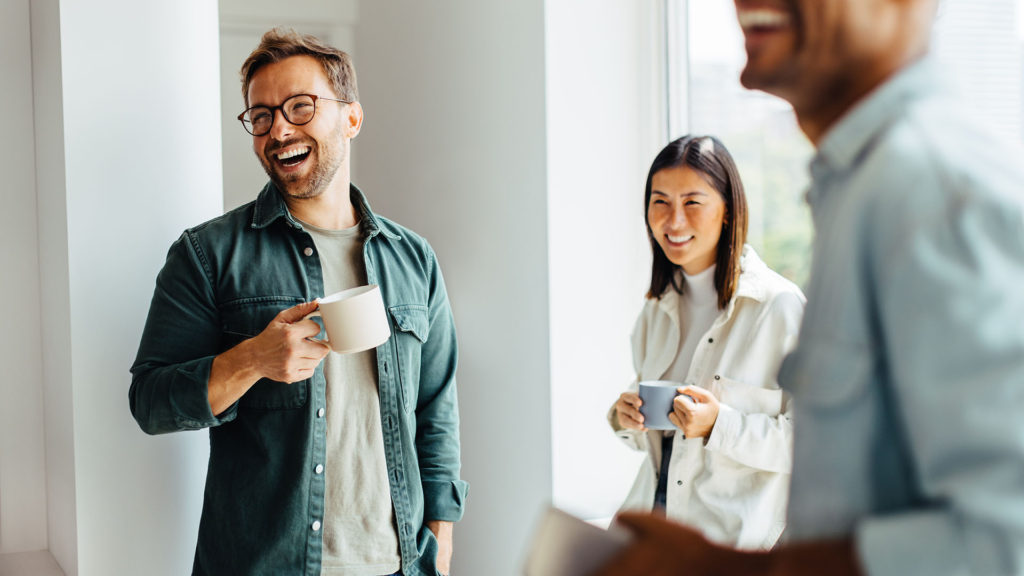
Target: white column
(128, 155)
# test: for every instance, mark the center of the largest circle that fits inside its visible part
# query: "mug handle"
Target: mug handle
(316, 314)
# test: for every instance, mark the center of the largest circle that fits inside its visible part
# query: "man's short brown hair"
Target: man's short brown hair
(281, 43)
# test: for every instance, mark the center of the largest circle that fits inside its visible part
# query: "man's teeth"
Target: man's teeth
(292, 153)
(678, 239)
(762, 18)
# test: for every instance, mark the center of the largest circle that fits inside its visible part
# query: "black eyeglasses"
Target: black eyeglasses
(297, 110)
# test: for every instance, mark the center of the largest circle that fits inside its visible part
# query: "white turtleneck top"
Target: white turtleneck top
(698, 309)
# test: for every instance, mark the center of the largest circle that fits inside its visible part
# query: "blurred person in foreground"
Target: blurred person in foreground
(719, 321)
(908, 378)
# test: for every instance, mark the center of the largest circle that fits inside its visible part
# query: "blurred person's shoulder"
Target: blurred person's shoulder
(945, 152)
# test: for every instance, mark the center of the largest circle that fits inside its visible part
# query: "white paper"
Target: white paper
(564, 545)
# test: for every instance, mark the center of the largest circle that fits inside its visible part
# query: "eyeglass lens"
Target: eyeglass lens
(297, 110)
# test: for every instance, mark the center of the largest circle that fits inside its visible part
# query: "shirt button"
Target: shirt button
(710, 340)
(319, 468)
(316, 526)
(679, 482)
(320, 413)
(717, 377)
(307, 251)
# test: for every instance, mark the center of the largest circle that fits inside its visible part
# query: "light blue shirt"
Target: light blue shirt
(908, 381)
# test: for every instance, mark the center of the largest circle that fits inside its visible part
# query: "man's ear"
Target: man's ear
(353, 120)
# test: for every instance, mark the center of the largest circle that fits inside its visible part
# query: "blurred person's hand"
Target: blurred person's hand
(661, 547)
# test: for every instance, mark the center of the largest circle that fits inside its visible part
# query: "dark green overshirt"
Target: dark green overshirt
(223, 282)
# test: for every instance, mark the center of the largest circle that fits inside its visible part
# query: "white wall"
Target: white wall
(453, 145)
(142, 164)
(605, 95)
(22, 454)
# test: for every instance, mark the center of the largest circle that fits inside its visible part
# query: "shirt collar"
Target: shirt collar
(270, 206)
(847, 140)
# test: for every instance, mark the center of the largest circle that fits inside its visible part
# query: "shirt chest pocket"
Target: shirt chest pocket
(410, 328)
(245, 318)
(748, 399)
(825, 377)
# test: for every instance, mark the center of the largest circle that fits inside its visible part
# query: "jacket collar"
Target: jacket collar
(270, 206)
(751, 285)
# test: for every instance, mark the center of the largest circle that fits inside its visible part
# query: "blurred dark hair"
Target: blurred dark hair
(708, 156)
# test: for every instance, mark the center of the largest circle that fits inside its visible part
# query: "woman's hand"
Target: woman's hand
(696, 417)
(628, 411)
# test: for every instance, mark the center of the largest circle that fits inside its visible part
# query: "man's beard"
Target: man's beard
(328, 161)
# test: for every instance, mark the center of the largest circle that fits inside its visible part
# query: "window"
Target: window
(621, 66)
(982, 43)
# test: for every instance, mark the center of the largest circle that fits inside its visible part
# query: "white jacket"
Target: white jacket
(733, 488)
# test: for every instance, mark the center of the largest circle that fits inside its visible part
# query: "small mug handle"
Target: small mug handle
(316, 314)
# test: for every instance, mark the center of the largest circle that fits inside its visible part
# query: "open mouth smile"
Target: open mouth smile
(292, 156)
(762, 19)
(678, 240)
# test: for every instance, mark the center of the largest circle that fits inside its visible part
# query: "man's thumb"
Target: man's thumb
(297, 312)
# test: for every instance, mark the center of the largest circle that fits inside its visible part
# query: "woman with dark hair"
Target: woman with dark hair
(718, 321)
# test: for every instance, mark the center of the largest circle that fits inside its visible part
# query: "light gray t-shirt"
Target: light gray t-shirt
(360, 538)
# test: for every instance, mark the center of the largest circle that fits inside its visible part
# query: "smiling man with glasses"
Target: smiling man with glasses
(320, 462)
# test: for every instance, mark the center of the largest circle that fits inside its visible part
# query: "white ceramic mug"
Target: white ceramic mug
(354, 319)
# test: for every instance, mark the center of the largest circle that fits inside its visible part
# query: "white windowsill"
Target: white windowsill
(38, 563)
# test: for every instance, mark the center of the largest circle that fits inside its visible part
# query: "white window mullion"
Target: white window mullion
(677, 68)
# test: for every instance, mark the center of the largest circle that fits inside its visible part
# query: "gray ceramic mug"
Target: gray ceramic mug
(656, 397)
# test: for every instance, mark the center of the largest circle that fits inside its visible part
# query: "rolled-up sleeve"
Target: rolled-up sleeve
(437, 411)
